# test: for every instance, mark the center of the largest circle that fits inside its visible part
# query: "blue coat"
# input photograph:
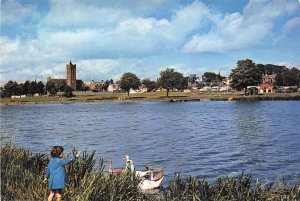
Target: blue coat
(56, 173)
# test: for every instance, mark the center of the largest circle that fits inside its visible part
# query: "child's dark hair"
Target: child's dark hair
(57, 151)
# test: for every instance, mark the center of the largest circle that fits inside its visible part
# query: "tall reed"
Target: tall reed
(235, 188)
(22, 175)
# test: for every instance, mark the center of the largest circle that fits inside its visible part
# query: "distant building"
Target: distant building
(95, 86)
(268, 78)
(70, 78)
(71, 75)
(266, 88)
(252, 90)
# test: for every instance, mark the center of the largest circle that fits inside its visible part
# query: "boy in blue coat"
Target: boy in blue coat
(56, 174)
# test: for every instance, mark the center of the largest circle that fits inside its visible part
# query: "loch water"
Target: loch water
(202, 139)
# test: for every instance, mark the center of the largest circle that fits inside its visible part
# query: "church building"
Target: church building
(70, 78)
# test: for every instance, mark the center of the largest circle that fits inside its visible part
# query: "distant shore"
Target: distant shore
(148, 97)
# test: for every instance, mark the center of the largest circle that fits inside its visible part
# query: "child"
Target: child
(56, 172)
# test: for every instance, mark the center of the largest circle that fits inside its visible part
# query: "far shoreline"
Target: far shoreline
(148, 97)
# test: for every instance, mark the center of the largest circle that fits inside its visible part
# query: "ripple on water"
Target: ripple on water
(205, 139)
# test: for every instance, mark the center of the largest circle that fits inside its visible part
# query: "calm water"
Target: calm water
(203, 139)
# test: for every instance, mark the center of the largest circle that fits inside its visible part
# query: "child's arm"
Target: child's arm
(68, 160)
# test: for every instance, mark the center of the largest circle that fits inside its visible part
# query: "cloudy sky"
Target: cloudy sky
(106, 38)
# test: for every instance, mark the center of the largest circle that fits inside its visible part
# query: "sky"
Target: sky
(106, 38)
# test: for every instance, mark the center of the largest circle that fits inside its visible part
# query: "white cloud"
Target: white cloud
(73, 14)
(268, 9)
(9, 46)
(289, 64)
(293, 23)
(13, 11)
(108, 38)
(113, 33)
(240, 30)
(96, 69)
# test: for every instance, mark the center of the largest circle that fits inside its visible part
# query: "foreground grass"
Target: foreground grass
(151, 96)
(22, 175)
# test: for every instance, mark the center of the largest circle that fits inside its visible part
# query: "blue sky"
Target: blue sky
(107, 38)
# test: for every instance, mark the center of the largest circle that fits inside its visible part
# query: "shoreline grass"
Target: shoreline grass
(22, 175)
(149, 96)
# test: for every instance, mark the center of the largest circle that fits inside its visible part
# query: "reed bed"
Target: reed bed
(235, 188)
(22, 174)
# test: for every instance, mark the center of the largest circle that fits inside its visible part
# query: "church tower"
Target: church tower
(71, 75)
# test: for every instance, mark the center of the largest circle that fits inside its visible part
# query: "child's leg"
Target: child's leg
(51, 195)
(58, 195)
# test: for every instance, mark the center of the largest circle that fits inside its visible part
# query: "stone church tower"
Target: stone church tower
(71, 75)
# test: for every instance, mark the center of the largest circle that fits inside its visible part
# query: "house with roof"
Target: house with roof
(266, 88)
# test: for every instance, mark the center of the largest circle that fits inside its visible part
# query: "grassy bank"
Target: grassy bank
(22, 176)
(150, 96)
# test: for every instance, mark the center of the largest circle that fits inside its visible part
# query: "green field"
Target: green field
(151, 96)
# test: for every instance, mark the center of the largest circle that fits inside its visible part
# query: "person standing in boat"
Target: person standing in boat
(55, 174)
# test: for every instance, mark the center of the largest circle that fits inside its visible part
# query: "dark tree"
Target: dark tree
(245, 74)
(107, 83)
(60, 86)
(25, 87)
(68, 92)
(80, 85)
(40, 88)
(128, 81)
(32, 88)
(50, 88)
(150, 84)
(2, 92)
(10, 88)
(170, 79)
(183, 84)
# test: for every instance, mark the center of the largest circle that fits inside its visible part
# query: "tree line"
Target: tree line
(246, 73)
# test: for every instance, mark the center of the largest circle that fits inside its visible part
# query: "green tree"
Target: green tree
(32, 88)
(170, 79)
(51, 88)
(128, 81)
(294, 76)
(150, 84)
(60, 86)
(80, 85)
(2, 92)
(183, 83)
(245, 74)
(10, 88)
(40, 88)
(191, 80)
(209, 77)
(68, 92)
(288, 77)
(107, 83)
(25, 87)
